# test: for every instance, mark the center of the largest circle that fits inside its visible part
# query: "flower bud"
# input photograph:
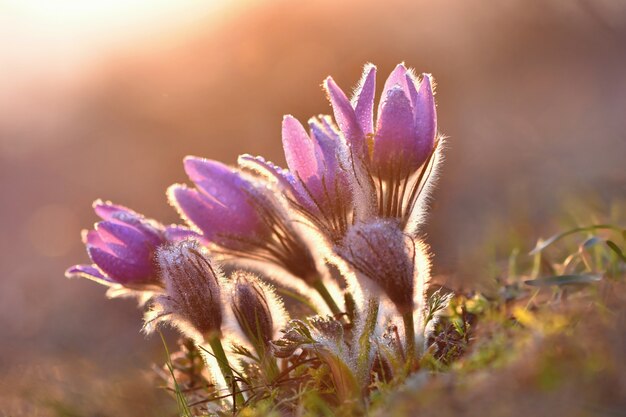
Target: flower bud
(385, 257)
(192, 290)
(250, 305)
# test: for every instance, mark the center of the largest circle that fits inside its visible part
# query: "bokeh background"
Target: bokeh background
(102, 99)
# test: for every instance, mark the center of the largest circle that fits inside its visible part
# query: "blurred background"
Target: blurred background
(102, 99)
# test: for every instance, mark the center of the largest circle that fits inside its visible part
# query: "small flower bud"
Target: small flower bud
(192, 291)
(256, 308)
(384, 255)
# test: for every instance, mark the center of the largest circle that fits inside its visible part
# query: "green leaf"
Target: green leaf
(541, 246)
(616, 249)
(563, 280)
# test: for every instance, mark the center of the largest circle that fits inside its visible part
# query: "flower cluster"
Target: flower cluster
(337, 232)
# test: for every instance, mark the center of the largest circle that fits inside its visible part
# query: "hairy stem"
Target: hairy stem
(227, 372)
(409, 334)
(365, 342)
(323, 291)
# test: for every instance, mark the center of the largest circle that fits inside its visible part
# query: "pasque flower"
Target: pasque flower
(123, 246)
(404, 133)
(322, 186)
(240, 217)
(192, 299)
(235, 213)
(389, 262)
(388, 153)
(257, 310)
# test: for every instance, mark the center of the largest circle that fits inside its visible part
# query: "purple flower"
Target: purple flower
(403, 136)
(122, 247)
(322, 187)
(220, 206)
(241, 216)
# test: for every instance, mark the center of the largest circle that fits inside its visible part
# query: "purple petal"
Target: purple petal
(106, 209)
(345, 115)
(114, 212)
(176, 233)
(212, 217)
(364, 99)
(90, 272)
(119, 269)
(425, 116)
(302, 154)
(125, 241)
(267, 169)
(92, 238)
(395, 140)
(326, 136)
(217, 181)
(397, 78)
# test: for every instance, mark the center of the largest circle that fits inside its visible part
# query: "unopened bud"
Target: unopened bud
(382, 253)
(250, 300)
(192, 293)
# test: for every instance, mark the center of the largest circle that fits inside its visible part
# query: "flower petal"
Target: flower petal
(119, 269)
(212, 217)
(126, 241)
(267, 170)
(90, 272)
(302, 155)
(425, 116)
(363, 101)
(395, 140)
(176, 233)
(216, 181)
(345, 116)
(397, 78)
(106, 210)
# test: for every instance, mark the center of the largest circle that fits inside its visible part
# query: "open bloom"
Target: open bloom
(317, 182)
(322, 187)
(395, 155)
(123, 246)
(237, 215)
(403, 136)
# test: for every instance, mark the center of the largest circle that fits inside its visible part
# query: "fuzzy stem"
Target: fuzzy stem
(365, 343)
(227, 372)
(409, 334)
(266, 360)
(323, 291)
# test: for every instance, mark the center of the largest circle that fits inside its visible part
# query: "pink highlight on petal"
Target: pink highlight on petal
(302, 154)
(426, 115)
(345, 115)
(395, 141)
(106, 209)
(364, 99)
(397, 78)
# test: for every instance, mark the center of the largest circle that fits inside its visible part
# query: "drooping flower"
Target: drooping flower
(123, 247)
(388, 154)
(192, 299)
(385, 258)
